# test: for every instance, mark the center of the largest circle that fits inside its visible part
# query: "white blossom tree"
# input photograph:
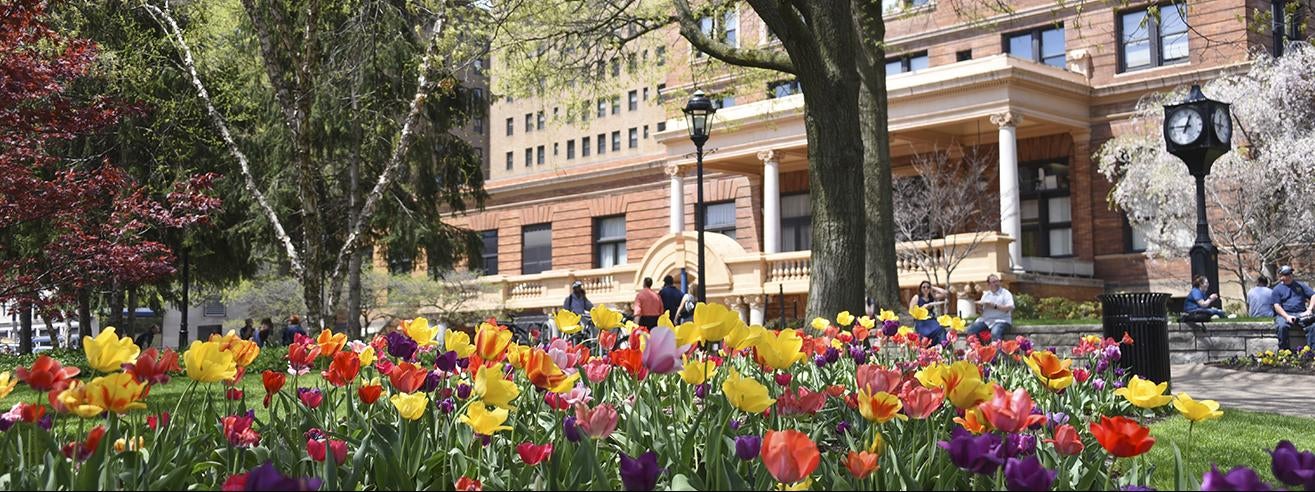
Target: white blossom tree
(1258, 196)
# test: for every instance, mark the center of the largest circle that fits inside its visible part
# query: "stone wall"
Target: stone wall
(1188, 342)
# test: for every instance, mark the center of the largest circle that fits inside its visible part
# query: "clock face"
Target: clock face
(1223, 125)
(1184, 126)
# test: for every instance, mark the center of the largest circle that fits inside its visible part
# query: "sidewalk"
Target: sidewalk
(1288, 394)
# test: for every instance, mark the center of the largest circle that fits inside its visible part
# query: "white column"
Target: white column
(1010, 221)
(771, 202)
(677, 200)
(756, 310)
(741, 307)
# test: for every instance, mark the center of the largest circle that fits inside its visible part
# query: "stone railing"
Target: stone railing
(1188, 342)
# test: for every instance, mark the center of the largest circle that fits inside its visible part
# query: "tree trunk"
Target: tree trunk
(84, 316)
(353, 213)
(50, 331)
(24, 329)
(131, 327)
(881, 279)
(116, 304)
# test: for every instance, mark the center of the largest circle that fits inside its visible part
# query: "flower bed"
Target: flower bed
(1282, 361)
(856, 403)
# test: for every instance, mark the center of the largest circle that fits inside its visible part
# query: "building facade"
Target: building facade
(609, 200)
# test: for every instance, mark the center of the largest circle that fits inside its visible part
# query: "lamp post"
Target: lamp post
(1199, 130)
(698, 115)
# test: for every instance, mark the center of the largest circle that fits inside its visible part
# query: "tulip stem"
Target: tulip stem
(1110, 474)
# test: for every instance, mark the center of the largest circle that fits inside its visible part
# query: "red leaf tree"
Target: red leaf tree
(67, 224)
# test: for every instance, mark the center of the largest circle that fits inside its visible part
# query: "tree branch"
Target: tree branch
(745, 57)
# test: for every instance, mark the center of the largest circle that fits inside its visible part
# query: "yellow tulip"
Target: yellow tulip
(888, 315)
(517, 355)
(107, 352)
(962, 382)
(245, 351)
(944, 320)
(919, 313)
(76, 400)
(367, 356)
(121, 444)
(844, 318)
(6, 384)
(867, 322)
(804, 485)
(905, 331)
(932, 376)
(459, 342)
(410, 405)
(881, 407)
(698, 372)
(688, 333)
(746, 394)
(780, 350)
(1144, 394)
(630, 326)
(566, 322)
(820, 323)
(484, 422)
(1052, 371)
(664, 319)
(958, 324)
(495, 390)
(207, 362)
(604, 318)
(744, 336)
(711, 321)
(970, 392)
(1197, 411)
(878, 445)
(118, 393)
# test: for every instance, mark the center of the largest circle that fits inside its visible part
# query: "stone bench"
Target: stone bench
(1188, 342)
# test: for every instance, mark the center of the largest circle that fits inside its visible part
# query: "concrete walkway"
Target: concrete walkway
(1288, 394)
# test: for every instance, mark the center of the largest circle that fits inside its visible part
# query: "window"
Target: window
(602, 107)
(645, 93)
(600, 144)
(400, 263)
(631, 64)
(570, 149)
(529, 122)
(732, 26)
(539, 120)
(782, 88)
(662, 126)
(720, 218)
(661, 55)
(616, 105)
(529, 157)
(1134, 239)
(906, 63)
(609, 241)
(539, 155)
(616, 141)
(556, 148)
(658, 92)
(584, 147)
(706, 27)
(796, 223)
(889, 7)
(489, 254)
(1150, 41)
(634, 138)
(1045, 209)
(723, 102)
(634, 101)
(963, 55)
(479, 125)
(1042, 45)
(645, 132)
(536, 248)
(511, 126)
(510, 160)
(616, 67)
(555, 112)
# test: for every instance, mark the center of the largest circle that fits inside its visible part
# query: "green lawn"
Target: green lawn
(1237, 438)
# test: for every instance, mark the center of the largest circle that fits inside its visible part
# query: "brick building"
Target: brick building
(605, 194)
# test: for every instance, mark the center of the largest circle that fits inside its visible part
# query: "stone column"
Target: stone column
(771, 202)
(740, 306)
(757, 310)
(1010, 221)
(677, 200)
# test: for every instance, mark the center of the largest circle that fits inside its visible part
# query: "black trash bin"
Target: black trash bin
(1144, 316)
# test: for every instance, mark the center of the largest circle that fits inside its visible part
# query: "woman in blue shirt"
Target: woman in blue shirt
(929, 296)
(1197, 302)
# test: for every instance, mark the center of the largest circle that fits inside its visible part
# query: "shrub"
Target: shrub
(67, 357)
(1030, 307)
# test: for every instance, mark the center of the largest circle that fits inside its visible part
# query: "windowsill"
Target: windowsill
(1142, 71)
(910, 12)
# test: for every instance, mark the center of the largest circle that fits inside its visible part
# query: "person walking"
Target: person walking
(147, 338)
(930, 297)
(1258, 305)
(648, 305)
(671, 297)
(685, 310)
(247, 330)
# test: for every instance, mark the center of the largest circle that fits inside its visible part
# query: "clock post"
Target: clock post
(1199, 130)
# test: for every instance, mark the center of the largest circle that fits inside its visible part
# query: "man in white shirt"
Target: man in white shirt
(997, 306)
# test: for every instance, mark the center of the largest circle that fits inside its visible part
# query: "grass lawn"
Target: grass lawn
(1237, 438)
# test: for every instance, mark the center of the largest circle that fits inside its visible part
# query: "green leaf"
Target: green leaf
(680, 482)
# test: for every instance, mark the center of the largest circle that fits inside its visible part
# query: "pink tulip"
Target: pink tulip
(1010, 412)
(597, 370)
(875, 379)
(661, 355)
(1066, 440)
(599, 422)
(920, 402)
(579, 394)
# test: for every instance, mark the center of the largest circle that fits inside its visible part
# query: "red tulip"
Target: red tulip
(407, 377)
(317, 450)
(598, 422)
(46, 374)
(469, 484)
(369, 393)
(302, 355)
(155, 422)
(789, 455)
(1010, 412)
(533, 454)
(234, 394)
(273, 383)
(346, 364)
(152, 368)
(802, 401)
(1066, 440)
(607, 339)
(31, 413)
(1122, 437)
(861, 463)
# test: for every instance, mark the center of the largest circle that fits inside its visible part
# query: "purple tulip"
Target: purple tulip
(832, 355)
(747, 447)
(890, 327)
(842, 428)
(977, 454)
(1137, 488)
(1028, 474)
(1292, 467)
(701, 391)
(1239, 478)
(463, 391)
(401, 346)
(859, 355)
(1056, 419)
(447, 405)
(1019, 444)
(735, 424)
(571, 430)
(432, 380)
(819, 360)
(46, 421)
(1025, 345)
(1118, 372)
(1038, 411)
(986, 372)
(446, 361)
(266, 477)
(641, 473)
(1102, 365)
(1098, 383)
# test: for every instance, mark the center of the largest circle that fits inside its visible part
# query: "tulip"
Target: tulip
(370, 392)
(860, 463)
(820, 323)
(411, 406)
(632, 360)
(1239, 478)
(880, 407)
(459, 342)
(1122, 437)
(920, 402)
(420, 332)
(1292, 467)
(343, 369)
(75, 399)
(491, 341)
(401, 346)
(662, 356)
(1011, 412)
(85, 448)
(468, 484)
(312, 398)
(107, 352)
(1196, 411)
(640, 473)
(208, 363)
(1066, 441)
(302, 355)
(570, 430)
(742, 336)
(567, 322)
(919, 313)
(698, 372)
(234, 394)
(780, 350)
(245, 351)
(599, 422)
(844, 318)
(789, 455)
(495, 390)
(152, 368)
(802, 402)
(330, 343)
(746, 394)
(597, 370)
(483, 421)
(1144, 394)
(117, 393)
(6, 384)
(747, 447)
(237, 429)
(46, 374)
(544, 373)
(266, 477)
(714, 321)
(407, 377)
(153, 422)
(1028, 474)
(316, 449)
(1053, 372)
(876, 379)
(975, 454)
(604, 318)
(532, 454)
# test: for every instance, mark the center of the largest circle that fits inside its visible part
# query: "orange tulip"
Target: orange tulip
(789, 455)
(861, 463)
(1122, 437)
(330, 343)
(972, 421)
(346, 364)
(1052, 371)
(491, 341)
(407, 377)
(544, 373)
(881, 407)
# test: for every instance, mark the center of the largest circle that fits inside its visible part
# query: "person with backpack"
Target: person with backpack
(687, 304)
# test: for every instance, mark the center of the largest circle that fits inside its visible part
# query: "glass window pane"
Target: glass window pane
(1174, 47)
(732, 21)
(918, 62)
(1134, 26)
(1171, 20)
(1061, 242)
(894, 67)
(611, 228)
(1137, 54)
(1052, 46)
(1138, 239)
(621, 253)
(606, 256)
(1029, 210)
(1031, 242)
(1021, 46)
(1058, 210)
(793, 206)
(720, 215)
(888, 6)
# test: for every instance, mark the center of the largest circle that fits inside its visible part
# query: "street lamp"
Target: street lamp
(698, 113)
(1199, 130)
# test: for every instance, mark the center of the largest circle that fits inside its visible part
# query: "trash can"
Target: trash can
(1144, 316)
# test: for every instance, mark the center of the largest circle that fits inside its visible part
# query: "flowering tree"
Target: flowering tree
(66, 224)
(1258, 194)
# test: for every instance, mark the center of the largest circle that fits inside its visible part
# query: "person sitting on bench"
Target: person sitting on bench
(1197, 306)
(1289, 297)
